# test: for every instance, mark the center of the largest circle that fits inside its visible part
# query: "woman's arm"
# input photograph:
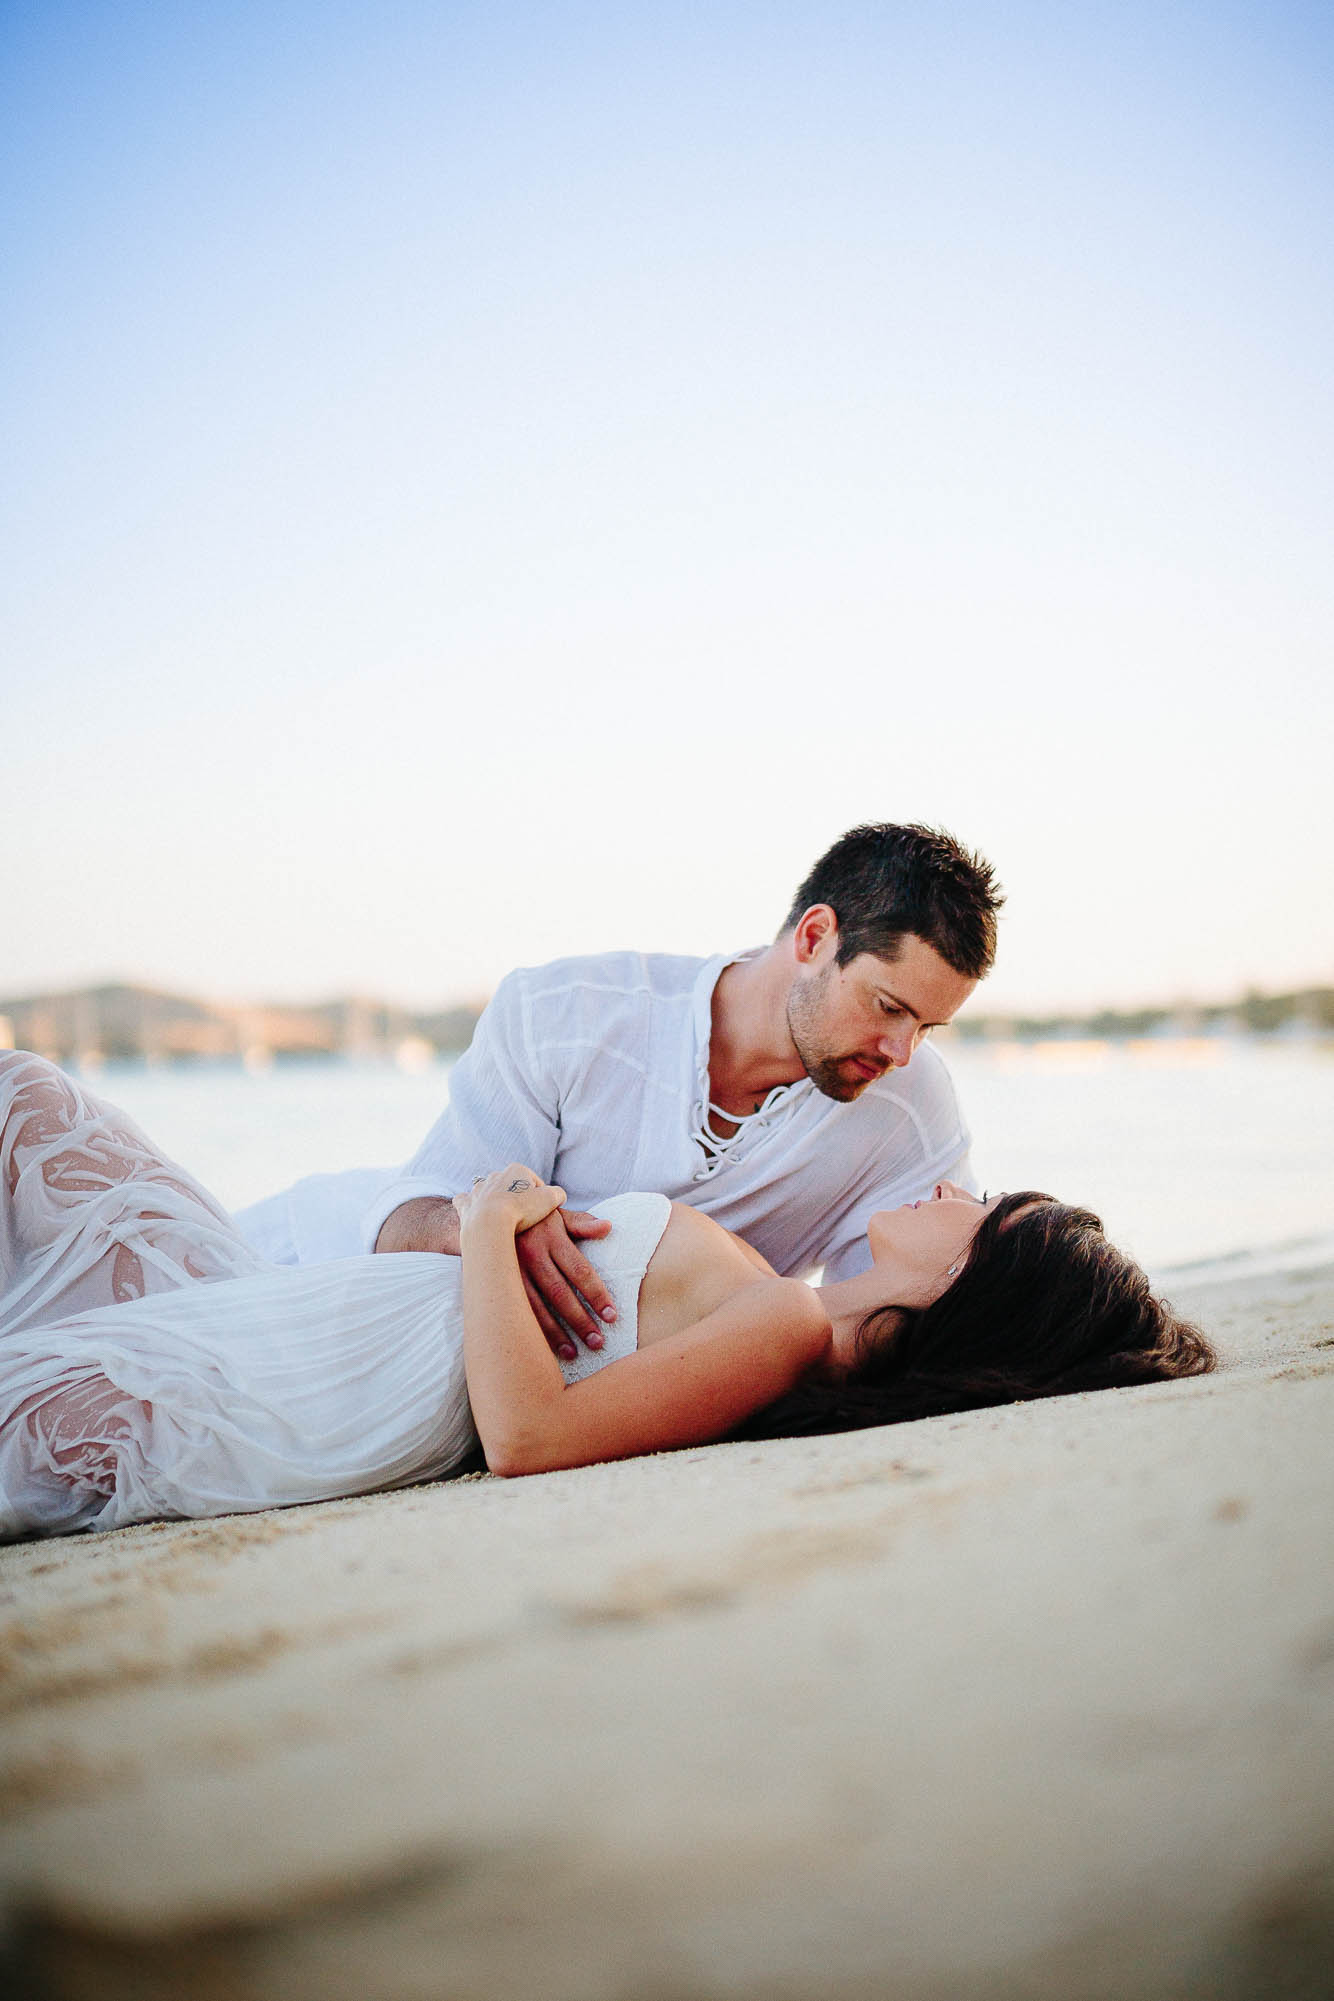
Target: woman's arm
(687, 1389)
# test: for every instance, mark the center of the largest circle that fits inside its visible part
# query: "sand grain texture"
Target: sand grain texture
(1026, 1703)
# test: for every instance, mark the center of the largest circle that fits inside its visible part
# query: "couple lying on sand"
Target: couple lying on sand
(161, 1358)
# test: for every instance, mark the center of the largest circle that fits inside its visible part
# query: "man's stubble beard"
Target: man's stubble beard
(804, 1002)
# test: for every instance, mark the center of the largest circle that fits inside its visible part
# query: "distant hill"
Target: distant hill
(1309, 1008)
(124, 1023)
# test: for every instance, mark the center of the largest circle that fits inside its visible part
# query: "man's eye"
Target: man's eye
(889, 1007)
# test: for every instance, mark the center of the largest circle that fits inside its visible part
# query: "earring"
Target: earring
(952, 1270)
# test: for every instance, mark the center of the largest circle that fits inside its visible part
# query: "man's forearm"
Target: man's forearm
(427, 1224)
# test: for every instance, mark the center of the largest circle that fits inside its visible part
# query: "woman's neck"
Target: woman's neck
(847, 1303)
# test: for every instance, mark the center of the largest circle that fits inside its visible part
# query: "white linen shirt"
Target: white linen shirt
(594, 1073)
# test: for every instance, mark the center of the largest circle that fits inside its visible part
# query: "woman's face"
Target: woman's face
(924, 1239)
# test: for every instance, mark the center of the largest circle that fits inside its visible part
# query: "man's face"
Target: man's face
(850, 1024)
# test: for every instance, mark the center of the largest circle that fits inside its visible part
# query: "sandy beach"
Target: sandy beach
(1035, 1702)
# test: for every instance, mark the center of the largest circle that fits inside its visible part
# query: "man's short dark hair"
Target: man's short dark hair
(884, 883)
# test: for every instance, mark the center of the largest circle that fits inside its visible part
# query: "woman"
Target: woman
(151, 1364)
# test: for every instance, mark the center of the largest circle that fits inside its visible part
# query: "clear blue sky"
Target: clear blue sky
(482, 482)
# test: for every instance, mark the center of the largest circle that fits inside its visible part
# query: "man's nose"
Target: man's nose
(899, 1042)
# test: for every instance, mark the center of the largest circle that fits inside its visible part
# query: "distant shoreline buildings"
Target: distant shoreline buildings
(123, 1023)
(1308, 1011)
(120, 1023)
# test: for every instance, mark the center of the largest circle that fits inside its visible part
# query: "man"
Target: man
(769, 1088)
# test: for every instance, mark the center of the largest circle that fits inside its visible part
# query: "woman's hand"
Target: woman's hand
(512, 1195)
(564, 1290)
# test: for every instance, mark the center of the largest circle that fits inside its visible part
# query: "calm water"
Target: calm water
(1191, 1152)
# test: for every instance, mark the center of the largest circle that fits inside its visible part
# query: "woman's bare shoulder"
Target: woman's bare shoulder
(697, 1265)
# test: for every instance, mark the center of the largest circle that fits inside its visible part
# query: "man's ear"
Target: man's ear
(816, 935)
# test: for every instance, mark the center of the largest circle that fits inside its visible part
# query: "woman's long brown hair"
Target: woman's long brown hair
(1044, 1306)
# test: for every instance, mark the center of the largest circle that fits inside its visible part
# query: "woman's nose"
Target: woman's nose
(950, 1190)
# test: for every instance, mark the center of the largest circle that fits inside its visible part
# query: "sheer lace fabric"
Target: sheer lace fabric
(92, 1214)
(152, 1364)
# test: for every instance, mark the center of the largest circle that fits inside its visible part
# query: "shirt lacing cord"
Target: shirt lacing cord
(719, 1150)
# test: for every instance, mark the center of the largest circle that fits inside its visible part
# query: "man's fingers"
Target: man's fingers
(561, 1273)
(561, 1303)
(580, 1224)
(558, 1339)
(584, 1278)
(565, 1303)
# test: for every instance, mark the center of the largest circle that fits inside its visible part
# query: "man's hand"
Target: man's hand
(565, 1292)
(561, 1284)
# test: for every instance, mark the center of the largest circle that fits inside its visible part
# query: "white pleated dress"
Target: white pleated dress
(152, 1364)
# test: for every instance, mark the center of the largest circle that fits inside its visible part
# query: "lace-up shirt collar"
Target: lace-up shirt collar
(717, 1147)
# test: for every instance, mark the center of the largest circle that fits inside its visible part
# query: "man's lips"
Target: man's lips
(868, 1070)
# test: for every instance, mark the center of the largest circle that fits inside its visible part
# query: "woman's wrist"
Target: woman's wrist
(504, 1202)
(488, 1224)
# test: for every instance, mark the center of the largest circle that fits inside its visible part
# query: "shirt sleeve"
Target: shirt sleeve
(501, 1108)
